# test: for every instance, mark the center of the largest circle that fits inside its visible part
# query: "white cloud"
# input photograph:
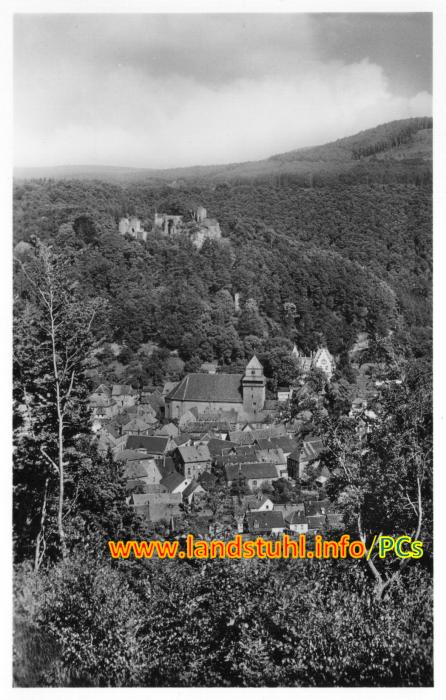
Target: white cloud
(121, 115)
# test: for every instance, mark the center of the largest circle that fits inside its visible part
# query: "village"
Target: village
(211, 455)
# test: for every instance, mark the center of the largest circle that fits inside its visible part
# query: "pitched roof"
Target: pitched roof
(242, 438)
(152, 444)
(169, 429)
(168, 387)
(208, 387)
(140, 499)
(139, 424)
(123, 390)
(165, 465)
(181, 439)
(172, 480)
(130, 455)
(219, 447)
(311, 449)
(264, 519)
(192, 488)
(285, 443)
(269, 431)
(260, 503)
(251, 470)
(275, 456)
(254, 363)
(198, 453)
(316, 521)
(259, 470)
(136, 470)
(317, 507)
(320, 353)
(249, 450)
(102, 389)
(296, 518)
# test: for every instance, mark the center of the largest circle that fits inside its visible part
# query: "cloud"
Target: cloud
(106, 103)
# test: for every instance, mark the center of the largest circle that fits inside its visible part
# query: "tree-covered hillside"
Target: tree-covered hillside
(313, 264)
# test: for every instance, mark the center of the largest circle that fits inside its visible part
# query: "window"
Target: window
(254, 482)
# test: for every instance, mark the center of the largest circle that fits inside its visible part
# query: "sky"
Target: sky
(159, 91)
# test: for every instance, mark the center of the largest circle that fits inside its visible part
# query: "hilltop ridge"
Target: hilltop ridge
(395, 143)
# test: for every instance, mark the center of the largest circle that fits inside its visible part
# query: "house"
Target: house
(165, 464)
(154, 400)
(299, 460)
(183, 439)
(140, 471)
(269, 522)
(224, 460)
(174, 482)
(188, 417)
(316, 523)
(110, 437)
(275, 456)
(269, 431)
(261, 504)
(139, 426)
(218, 447)
(297, 522)
(321, 359)
(254, 474)
(194, 491)
(243, 393)
(323, 475)
(324, 361)
(318, 507)
(154, 445)
(241, 437)
(257, 501)
(124, 395)
(284, 394)
(169, 429)
(101, 392)
(154, 507)
(193, 460)
(245, 453)
(285, 443)
(104, 409)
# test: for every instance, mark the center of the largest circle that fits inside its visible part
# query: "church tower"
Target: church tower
(253, 387)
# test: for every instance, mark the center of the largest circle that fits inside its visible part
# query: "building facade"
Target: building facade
(245, 394)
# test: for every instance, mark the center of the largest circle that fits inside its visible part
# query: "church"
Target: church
(244, 393)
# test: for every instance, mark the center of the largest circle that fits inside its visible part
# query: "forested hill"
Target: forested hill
(311, 265)
(396, 150)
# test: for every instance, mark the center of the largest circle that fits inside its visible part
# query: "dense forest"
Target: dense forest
(315, 265)
(307, 259)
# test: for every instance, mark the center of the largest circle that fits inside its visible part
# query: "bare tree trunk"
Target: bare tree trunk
(60, 419)
(40, 540)
(382, 583)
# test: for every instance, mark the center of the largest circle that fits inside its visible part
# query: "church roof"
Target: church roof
(254, 363)
(209, 387)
